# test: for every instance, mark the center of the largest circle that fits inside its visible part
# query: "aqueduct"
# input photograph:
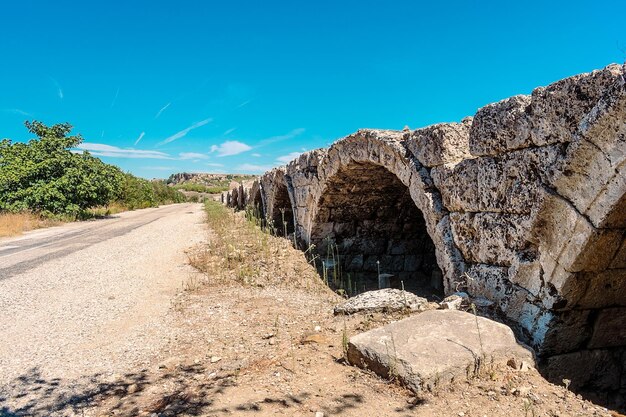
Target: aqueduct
(524, 203)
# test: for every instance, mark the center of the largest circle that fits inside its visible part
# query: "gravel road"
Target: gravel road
(90, 299)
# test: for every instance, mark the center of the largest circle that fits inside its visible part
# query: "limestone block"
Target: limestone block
(501, 126)
(567, 237)
(590, 249)
(490, 238)
(528, 316)
(449, 258)
(510, 183)
(608, 210)
(487, 281)
(568, 331)
(596, 369)
(433, 347)
(605, 124)
(507, 183)
(556, 110)
(458, 185)
(603, 289)
(609, 329)
(619, 261)
(385, 300)
(441, 143)
(527, 274)
(585, 173)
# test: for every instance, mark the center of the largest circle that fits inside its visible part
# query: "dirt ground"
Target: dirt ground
(253, 333)
(272, 346)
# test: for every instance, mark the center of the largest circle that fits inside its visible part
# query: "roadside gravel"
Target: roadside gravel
(98, 311)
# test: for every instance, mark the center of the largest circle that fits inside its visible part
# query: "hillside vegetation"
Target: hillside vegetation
(206, 183)
(45, 177)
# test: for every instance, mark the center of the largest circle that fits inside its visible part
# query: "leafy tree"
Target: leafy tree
(45, 176)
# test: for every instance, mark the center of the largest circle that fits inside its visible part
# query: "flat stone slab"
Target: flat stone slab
(435, 347)
(385, 300)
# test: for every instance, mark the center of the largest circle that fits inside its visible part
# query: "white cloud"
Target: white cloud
(140, 137)
(192, 155)
(229, 131)
(256, 155)
(289, 157)
(290, 135)
(213, 164)
(58, 86)
(17, 111)
(252, 168)
(100, 149)
(162, 110)
(230, 147)
(245, 103)
(184, 132)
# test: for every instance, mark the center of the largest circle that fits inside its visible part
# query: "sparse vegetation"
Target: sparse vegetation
(241, 247)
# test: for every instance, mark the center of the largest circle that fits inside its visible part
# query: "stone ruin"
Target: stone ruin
(523, 204)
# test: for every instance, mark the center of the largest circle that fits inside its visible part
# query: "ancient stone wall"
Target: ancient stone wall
(524, 204)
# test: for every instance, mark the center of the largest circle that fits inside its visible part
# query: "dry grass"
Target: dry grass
(14, 224)
(104, 211)
(240, 250)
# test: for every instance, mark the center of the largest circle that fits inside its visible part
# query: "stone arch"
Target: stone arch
(368, 154)
(256, 200)
(234, 198)
(580, 230)
(279, 202)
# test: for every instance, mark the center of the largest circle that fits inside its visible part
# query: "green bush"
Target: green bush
(45, 176)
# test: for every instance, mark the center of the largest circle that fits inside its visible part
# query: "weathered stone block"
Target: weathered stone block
(619, 260)
(527, 274)
(488, 281)
(458, 185)
(490, 238)
(592, 369)
(557, 109)
(385, 300)
(568, 331)
(603, 289)
(609, 329)
(441, 143)
(585, 175)
(433, 347)
(500, 127)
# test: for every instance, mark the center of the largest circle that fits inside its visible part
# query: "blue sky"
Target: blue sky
(158, 87)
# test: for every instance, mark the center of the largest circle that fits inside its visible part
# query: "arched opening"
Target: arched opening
(234, 199)
(368, 233)
(586, 340)
(282, 212)
(257, 205)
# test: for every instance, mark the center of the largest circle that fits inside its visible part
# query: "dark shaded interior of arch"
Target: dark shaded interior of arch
(586, 341)
(365, 216)
(282, 216)
(257, 203)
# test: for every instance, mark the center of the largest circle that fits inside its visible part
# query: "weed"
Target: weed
(393, 372)
(344, 341)
(528, 408)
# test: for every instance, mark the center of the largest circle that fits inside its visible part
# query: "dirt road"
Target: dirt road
(90, 298)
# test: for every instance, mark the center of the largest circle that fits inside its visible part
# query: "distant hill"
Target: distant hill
(205, 183)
